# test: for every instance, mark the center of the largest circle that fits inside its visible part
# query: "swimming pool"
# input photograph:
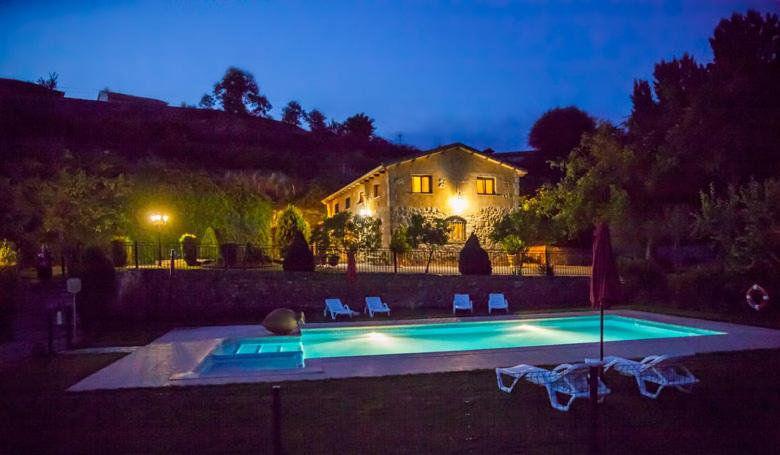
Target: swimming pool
(316, 343)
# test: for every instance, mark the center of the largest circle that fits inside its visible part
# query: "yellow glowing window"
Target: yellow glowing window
(421, 184)
(486, 185)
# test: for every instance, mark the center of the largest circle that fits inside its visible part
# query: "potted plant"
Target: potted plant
(189, 248)
(515, 248)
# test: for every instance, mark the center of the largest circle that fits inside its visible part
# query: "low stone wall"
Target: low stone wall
(229, 295)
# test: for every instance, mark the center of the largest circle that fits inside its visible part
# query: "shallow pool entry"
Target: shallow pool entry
(253, 354)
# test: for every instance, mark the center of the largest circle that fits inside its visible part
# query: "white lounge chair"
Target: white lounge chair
(376, 305)
(462, 302)
(566, 379)
(497, 302)
(336, 308)
(662, 370)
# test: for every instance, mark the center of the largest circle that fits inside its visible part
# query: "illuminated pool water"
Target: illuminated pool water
(271, 353)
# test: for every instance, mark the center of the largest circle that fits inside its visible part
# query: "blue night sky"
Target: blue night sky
(435, 72)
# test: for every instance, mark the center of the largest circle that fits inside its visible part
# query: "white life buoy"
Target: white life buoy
(751, 301)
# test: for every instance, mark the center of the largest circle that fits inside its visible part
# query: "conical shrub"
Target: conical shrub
(473, 259)
(298, 257)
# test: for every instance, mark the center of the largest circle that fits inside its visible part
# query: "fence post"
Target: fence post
(276, 420)
(135, 253)
(173, 262)
(395, 262)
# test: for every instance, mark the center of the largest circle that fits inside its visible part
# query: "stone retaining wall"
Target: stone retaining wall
(216, 295)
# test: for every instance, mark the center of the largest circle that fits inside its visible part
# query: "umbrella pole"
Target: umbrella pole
(601, 340)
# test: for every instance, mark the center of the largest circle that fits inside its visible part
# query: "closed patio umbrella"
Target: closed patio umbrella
(604, 281)
(352, 277)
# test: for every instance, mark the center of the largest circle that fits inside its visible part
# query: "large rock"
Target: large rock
(281, 321)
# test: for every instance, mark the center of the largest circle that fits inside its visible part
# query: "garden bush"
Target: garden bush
(98, 286)
(299, 257)
(9, 280)
(189, 247)
(119, 251)
(473, 259)
(229, 252)
(642, 281)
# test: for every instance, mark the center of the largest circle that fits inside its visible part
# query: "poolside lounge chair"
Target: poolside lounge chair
(376, 305)
(497, 302)
(462, 302)
(566, 379)
(662, 370)
(336, 308)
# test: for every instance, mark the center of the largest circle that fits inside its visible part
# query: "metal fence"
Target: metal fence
(443, 261)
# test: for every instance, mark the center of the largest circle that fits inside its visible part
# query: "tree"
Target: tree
(359, 126)
(473, 259)
(530, 223)
(206, 101)
(316, 121)
(298, 257)
(348, 232)
(293, 113)
(555, 134)
(742, 225)
(288, 222)
(238, 93)
(429, 234)
(50, 82)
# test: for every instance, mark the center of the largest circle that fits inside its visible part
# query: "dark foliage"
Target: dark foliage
(229, 252)
(118, 253)
(555, 135)
(293, 113)
(473, 259)
(299, 257)
(98, 287)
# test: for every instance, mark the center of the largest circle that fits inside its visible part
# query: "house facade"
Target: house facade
(470, 189)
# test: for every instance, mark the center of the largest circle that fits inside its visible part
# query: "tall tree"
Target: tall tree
(238, 93)
(316, 121)
(293, 113)
(556, 133)
(359, 126)
(50, 82)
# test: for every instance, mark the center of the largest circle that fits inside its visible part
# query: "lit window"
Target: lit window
(376, 190)
(361, 197)
(486, 185)
(457, 229)
(421, 184)
(347, 203)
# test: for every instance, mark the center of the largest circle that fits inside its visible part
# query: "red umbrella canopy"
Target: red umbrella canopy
(604, 281)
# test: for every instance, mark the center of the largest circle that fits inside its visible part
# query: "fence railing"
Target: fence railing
(442, 261)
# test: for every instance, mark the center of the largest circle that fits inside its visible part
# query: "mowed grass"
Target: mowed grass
(734, 410)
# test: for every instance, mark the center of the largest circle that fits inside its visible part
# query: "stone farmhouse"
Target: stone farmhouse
(471, 189)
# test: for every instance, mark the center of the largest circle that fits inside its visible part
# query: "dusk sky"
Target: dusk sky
(436, 72)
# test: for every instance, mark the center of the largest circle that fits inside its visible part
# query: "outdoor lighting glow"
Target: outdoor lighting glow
(380, 337)
(365, 211)
(458, 204)
(158, 218)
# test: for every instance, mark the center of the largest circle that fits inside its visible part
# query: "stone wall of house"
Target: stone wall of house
(209, 296)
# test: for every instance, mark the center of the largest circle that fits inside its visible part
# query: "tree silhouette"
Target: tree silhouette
(316, 121)
(359, 126)
(237, 92)
(206, 101)
(556, 133)
(293, 113)
(50, 82)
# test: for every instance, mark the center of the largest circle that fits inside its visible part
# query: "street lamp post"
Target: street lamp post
(159, 220)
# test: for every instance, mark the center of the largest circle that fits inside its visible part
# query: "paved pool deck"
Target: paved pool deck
(172, 359)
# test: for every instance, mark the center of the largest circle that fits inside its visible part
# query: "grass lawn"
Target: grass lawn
(735, 409)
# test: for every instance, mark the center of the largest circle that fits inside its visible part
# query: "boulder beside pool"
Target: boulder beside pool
(281, 321)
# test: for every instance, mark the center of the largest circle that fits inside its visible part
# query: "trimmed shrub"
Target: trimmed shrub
(229, 252)
(98, 286)
(473, 259)
(288, 222)
(299, 257)
(119, 251)
(254, 255)
(189, 248)
(642, 281)
(9, 280)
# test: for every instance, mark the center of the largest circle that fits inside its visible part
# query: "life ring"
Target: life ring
(752, 302)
